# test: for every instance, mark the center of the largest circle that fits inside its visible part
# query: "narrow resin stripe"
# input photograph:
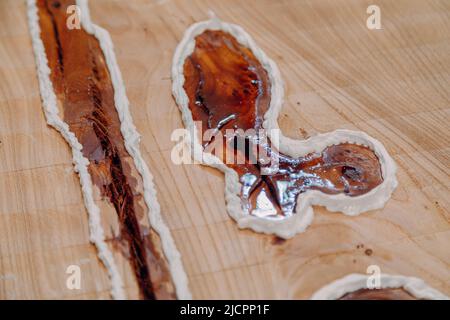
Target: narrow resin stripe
(78, 71)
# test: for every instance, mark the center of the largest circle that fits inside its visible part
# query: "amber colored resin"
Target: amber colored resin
(229, 89)
(378, 294)
(83, 86)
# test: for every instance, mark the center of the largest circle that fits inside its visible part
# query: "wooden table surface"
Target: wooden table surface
(393, 83)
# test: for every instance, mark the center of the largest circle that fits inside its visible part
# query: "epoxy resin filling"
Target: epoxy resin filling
(229, 94)
(391, 287)
(83, 86)
(378, 294)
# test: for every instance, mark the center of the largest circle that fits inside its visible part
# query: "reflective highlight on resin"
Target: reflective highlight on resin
(229, 89)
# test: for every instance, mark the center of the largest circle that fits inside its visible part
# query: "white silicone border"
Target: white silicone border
(131, 140)
(353, 282)
(286, 228)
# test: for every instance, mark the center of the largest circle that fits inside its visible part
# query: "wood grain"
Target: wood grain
(393, 83)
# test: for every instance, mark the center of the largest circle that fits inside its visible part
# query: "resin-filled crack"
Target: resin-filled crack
(80, 78)
(83, 86)
(224, 82)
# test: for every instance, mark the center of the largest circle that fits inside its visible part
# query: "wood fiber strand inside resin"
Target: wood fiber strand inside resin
(228, 89)
(378, 294)
(82, 84)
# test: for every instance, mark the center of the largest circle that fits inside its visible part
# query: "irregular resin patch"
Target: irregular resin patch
(390, 287)
(79, 77)
(226, 85)
(229, 89)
